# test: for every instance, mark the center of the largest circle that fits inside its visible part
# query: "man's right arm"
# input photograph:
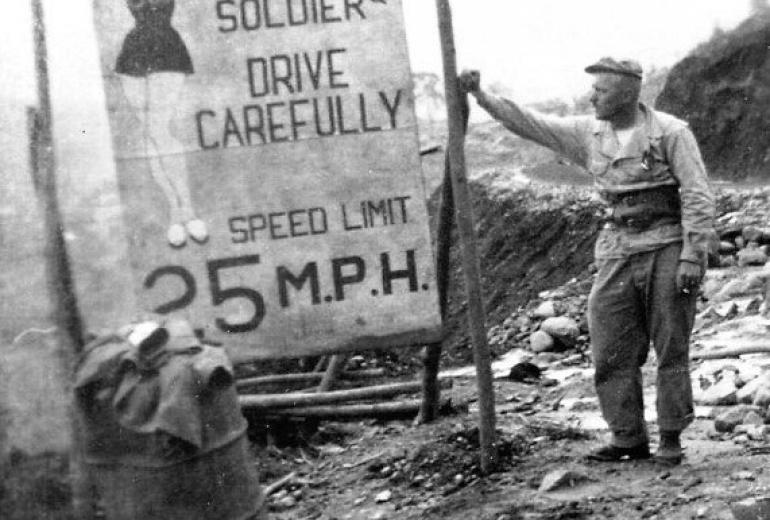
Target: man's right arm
(567, 136)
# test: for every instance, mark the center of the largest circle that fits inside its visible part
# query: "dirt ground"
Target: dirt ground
(397, 470)
(374, 470)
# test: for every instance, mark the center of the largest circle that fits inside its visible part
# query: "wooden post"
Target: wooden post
(66, 316)
(333, 371)
(464, 215)
(432, 356)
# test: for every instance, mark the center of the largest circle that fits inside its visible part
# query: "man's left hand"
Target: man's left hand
(688, 277)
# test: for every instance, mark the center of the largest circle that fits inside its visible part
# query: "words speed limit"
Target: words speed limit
(268, 171)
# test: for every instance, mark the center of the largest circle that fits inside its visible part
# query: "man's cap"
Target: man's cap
(608, 64)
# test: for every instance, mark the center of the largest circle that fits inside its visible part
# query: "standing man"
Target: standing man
(651, 253)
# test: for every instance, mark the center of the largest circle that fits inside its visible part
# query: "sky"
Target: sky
(537, 48)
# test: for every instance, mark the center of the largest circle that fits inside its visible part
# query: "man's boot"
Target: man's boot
(670, 448)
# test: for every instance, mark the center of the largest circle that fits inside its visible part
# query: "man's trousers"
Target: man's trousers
(635, 301)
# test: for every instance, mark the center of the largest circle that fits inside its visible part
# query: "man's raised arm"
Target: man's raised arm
(567, 136)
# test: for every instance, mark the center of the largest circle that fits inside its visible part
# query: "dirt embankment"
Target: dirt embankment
(723, 90)
(529, 239)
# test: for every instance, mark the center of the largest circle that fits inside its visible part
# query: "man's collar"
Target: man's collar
(651, 124)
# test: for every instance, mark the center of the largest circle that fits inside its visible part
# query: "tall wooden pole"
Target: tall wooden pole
(65, 314)
(464, 215)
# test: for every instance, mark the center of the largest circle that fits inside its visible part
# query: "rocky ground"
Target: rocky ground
(547, 413)
(535, 243)
(546, 423)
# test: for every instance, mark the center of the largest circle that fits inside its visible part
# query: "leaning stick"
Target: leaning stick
(306, 377)
(278, 484)
(731, 352)
(269, 401)
(407, 408)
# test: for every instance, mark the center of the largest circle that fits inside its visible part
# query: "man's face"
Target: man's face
(610, 95)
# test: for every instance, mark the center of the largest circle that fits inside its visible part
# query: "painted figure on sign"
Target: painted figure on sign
(152, 65)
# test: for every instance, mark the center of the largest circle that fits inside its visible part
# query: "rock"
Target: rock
(705, 412)
(752, 234)
(740, 242)
(762, 394)
(747, 285)
(541, 341)
(383, 496)
(741, 439)
(727, 261)
(286, 502)
(747, 392)
(727, 248)
(757, 432)
(560, 478)
(724, 310)
(754, 432)
(754, 419)
(751, 256)
(546, 358)
(355, 362)
(378, 515)
(547, 309)
(723, 392)
(524, 372)
(728, 420)
(564, 329)
(743, 475)
(751, 508)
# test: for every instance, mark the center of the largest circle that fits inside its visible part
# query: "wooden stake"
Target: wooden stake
(333, 371)
(66, 316)
(464, 215)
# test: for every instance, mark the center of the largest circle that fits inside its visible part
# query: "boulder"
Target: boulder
(564, 329)
(727, 248)
(723, 392)
(754, 419)
(747, 392)
(753, 283)
(729, 419)
(561, 478)
(762, 395)
(757, 432)
(545, 310)
(752, 234)
(525, 372)
(751, 256)
(541, 341)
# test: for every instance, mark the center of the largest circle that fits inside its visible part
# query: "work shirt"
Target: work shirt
(662, 152)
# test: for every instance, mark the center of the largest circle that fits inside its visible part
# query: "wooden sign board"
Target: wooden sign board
(268, 170)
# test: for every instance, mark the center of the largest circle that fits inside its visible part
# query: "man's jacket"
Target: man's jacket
(662, 153)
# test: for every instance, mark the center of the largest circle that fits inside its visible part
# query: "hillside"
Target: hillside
(723, 90)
